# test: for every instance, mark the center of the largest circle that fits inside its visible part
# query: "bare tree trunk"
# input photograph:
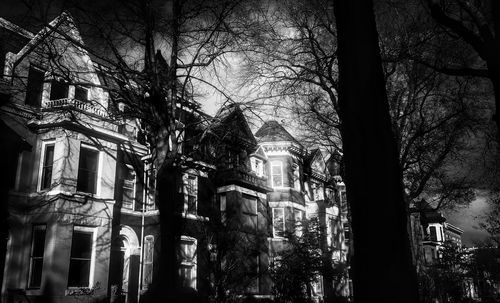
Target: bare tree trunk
(382, 264)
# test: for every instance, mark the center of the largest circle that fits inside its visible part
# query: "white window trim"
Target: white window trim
(275, 163)
(194, 262)
(40, 165)
(99, 166)
(43, 227)
(284, 226)
(92, 230)
(257, 166)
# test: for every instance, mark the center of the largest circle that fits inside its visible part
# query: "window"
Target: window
(191, 193)
(318, 192)
(296, 177)
(187, 256)
(257, 166)
(36, 257)
(151, 189)
(81, 93)
(147, 270)
(47, 164)
(87, 170)
(317, 286)
(253, 271)
(58, 89)
(249, 210)
(34, 87)
(82, 251)
(433, 233)
(277, 173)
(129, 181)
(278, 222)
(223, 208)
(343, 200)
(347, 232)
(299, 217)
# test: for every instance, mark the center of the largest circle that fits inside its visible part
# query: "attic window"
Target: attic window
(257, 166)
(81, 93)
(58, 89)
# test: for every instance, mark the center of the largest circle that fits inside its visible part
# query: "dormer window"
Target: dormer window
(257, 166)
(81, 93)
(34, 87)
(58, 89)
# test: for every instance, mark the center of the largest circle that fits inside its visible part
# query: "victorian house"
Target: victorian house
(82, 220)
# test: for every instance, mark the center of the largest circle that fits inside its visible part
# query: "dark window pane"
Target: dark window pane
(37, 252)
(34, 87)
(82, 245)
(36, 272)
(79, 271)
(38, 242)
(433, 233)
(58, 90)
(81, 256)
(48, 161)
(81, 93)
(87, 171)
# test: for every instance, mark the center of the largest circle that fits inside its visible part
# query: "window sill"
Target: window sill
(194, 217)
(79, 291)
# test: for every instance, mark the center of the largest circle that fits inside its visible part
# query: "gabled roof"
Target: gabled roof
(66, 19)
(272, 131)
(15, 29)
(230, 122)
(315, 162)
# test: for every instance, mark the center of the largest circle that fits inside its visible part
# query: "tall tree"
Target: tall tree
(475, 26)
(373, 173)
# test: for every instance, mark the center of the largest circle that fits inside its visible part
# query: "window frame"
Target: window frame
(223, 208)
(190, 192)
(64, 85)
(275, 164)
(275, 235)
(28, 95)
(299, 228)
(253, 214)
(129, 168)
(32, 258)
(192, 264)
(88, 230)
(296, 177)
(81, 87)
(149, 242)
(42, 163)
(257, 166)
(98, 169)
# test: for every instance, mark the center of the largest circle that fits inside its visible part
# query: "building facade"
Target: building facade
(82, 219)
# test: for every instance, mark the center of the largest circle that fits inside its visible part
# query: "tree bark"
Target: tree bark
(382, 264)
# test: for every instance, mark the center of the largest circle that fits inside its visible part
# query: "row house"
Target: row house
(430, 231)
(82, 217)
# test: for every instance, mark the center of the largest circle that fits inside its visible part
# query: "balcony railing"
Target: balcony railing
(85, 106)
(238, 175)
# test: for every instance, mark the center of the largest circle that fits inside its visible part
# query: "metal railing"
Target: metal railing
(85, 106)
